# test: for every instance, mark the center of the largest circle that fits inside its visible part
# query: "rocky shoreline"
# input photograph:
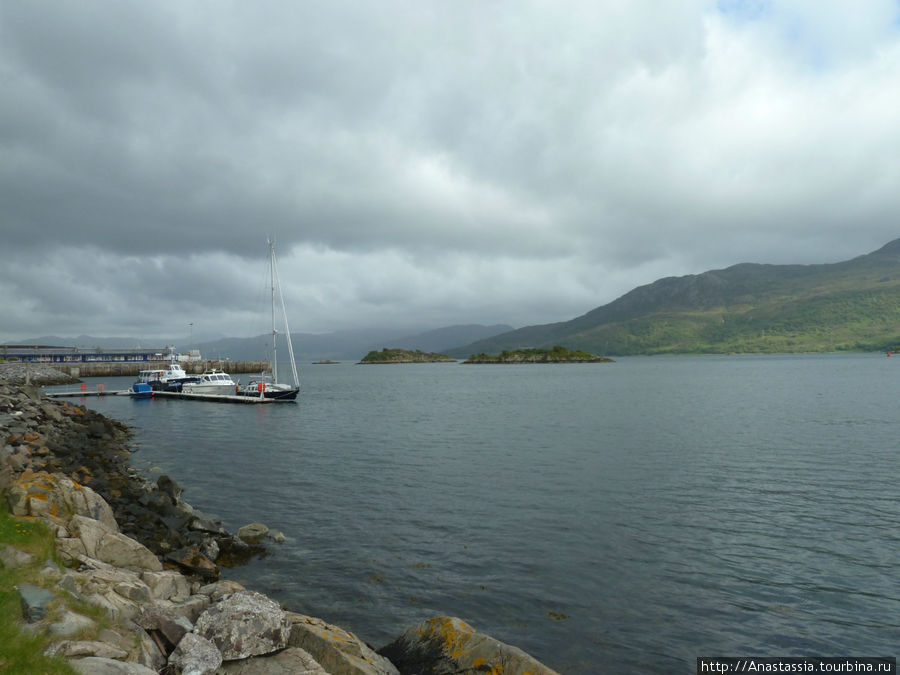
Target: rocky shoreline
(153, 564)
(38, 374)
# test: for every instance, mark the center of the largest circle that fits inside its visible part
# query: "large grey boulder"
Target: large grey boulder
(253, 533)
(169, 487)
(108, 545)
(10, 556)
(192, 560)
(446, 645)
(290, 661)
(219, 590)
(70, 623)
(167, 618)
(337, 650)
(34, 602)
(245, 624)
(95, 665)
(53, 497)
(148, 650)
(120, 592)
(167, 585)
(195, 655)
(73, 648)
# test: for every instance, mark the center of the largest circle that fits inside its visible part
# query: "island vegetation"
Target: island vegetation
(557, 354)
(405, 356)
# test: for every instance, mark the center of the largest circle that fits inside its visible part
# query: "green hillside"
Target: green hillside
(847, 306)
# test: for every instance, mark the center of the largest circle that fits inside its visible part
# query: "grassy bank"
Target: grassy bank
(21, 652)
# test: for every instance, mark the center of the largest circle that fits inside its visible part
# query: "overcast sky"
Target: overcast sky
(427, 163)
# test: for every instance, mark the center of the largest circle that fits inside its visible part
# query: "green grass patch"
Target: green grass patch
(20, 651)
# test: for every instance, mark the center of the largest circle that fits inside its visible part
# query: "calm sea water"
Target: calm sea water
(625, 517)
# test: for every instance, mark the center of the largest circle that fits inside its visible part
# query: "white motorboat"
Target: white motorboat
(266, 385)
(171, 378)
(211, 382)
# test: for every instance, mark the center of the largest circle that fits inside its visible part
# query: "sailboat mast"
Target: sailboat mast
(287, 329)
(274, 332)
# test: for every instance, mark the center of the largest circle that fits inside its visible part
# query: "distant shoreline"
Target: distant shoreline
(527, 356)
(69, 373)
(389, 356)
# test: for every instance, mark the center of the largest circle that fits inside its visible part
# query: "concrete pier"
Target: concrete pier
(213, 398)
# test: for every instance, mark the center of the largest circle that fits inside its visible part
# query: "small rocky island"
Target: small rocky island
(405, 356)
(558, 354)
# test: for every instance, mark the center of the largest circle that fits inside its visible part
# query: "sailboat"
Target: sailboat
(267, 385)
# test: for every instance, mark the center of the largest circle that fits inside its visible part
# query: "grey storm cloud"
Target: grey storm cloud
(423, 163)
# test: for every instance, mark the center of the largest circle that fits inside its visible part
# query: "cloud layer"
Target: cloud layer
(424, 164)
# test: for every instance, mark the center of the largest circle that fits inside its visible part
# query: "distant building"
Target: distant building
(52, 354)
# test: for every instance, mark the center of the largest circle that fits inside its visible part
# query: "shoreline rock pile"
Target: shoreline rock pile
(151, 563)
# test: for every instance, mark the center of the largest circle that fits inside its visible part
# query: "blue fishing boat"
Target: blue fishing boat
(141, 390)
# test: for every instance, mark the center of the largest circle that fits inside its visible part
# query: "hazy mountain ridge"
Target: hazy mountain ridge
(351, 344)
(341, 345)
(748, 307)
(85, 342)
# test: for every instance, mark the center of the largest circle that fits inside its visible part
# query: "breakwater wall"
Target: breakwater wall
(155, 567)
(118, 368)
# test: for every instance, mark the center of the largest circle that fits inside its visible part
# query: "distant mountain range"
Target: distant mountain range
(852, 305)
(338, 346)
(847, 306)
(350, 345)
(91, 341)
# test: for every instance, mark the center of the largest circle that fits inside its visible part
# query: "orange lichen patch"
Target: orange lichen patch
(30, 476)
(38, 495)
(455, 638)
